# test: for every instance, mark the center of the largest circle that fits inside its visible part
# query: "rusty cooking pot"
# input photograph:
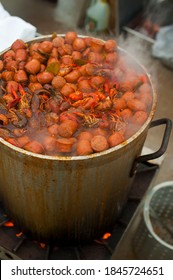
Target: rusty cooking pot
(72, 198)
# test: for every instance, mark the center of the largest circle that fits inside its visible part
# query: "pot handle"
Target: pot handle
(162, 148)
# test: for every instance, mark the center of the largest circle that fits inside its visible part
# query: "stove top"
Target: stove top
(15, 245)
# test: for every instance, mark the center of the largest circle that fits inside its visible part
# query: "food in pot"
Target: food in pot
(70, 95)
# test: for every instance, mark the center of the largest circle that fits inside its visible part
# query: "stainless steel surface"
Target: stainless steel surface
(69, 198)
(153, 234)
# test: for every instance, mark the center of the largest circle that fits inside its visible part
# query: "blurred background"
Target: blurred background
(134, 24)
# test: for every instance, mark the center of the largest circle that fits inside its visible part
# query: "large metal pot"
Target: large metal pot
(70, 198)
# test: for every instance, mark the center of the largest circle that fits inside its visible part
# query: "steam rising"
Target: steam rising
(141, 51)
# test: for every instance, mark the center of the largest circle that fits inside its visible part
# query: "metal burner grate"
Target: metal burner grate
(13, 246)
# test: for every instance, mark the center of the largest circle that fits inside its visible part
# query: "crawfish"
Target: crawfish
(116, 124)
(106, 104)
(89, 120)
(90, 101)
(17, 119)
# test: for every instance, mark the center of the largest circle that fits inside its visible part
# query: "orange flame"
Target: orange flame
(106, 235)
(9, 224)
(42, 245)
(19, 234)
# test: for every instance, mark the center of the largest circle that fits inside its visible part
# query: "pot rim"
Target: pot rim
(110, 150)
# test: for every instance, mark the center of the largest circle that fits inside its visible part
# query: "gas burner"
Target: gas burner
(15, 245)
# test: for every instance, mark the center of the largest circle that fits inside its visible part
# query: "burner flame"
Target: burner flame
(9, 224)
(42, 245)
(19, 234)
(106, 235)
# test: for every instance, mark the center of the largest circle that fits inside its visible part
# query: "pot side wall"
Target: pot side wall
(67, 199)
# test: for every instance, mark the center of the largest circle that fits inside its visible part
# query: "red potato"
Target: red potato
(65, 145)
(73, 76)
(97, 81)
(45, 47)
(49, 143)
(139, 117)
(83, 148)
(54, 53)
(128, 95)
(34, 86)
(96, 45)
(34, 147)
(65, 49)
(85, 135)
(7, 76)
(79, 44)
(20, 76)
(70, 37)
(33, 48)
(11, 65)
(39, 56)
(110, 46)
(9, 55)
(115, 139)
(84, 86)
(67, 128)
(18, 44)
(12, 85)
(76, 55)
(67, 60)
(95, 57)
(67, 89)
(119, 103)
(111, 58)
(58, 82)
(83, 71)
(88, 69)
(58, 41)
(21, 55)
(99, 143)
(64, 70)
(45, 77)
(33, 66)
(126, 115)
(136, 105)
(53, 129)
(23, 140)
